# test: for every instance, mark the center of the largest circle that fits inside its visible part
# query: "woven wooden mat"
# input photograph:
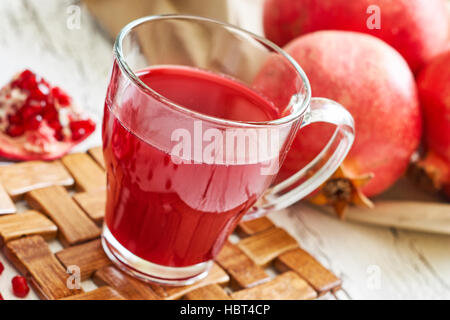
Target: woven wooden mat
(66, 201)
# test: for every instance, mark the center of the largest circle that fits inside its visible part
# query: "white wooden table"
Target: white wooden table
(374, 263)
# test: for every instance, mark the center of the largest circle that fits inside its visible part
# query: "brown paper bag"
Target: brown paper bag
(194, 46)
(113, 15)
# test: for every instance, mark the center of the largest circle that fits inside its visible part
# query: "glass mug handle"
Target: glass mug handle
(318, 170)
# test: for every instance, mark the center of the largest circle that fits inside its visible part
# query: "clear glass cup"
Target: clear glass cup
(168, 212)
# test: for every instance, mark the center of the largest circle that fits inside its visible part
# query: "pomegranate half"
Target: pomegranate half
(38, 121)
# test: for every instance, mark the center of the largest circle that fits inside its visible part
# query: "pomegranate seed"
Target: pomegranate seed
(31, 109)
(63, 99)
(50, 114)
(38, 93)
(18, 82)
(27, 82)
(55, 125)
(15, 130)
(58, 135)
(33, 123)
(1, 268)
(20, 286)
(26, 74)
(81, 128)
(15, 119)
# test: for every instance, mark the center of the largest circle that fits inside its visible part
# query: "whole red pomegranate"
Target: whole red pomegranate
(38, 120)
(375, 84)
(434, 91)
(418, 29)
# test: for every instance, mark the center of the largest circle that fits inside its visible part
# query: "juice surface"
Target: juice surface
(209, 93)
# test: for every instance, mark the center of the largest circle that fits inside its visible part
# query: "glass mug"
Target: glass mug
(199, 116)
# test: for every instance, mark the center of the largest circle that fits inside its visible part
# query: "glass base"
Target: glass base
(148, 271)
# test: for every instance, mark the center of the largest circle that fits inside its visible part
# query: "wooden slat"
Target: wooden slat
(103, 293)
(22, 177)
(87, 173)
(252, 227)
(74, 226)
(265, 246)
(97, 154)
(27, 223)
(6, 204)
(129, 287)
(243, 271)
(93, 203)
(300, 261)
(216, 276)
(211, 292)
(287, 286)
(89, 257)
(74, 221)
(32, 257)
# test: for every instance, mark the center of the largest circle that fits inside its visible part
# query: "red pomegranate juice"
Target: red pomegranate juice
(180, 214)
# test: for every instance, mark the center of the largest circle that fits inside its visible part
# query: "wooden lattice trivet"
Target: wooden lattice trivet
(243, 269)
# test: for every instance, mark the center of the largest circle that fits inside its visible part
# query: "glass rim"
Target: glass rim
(123, 65)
